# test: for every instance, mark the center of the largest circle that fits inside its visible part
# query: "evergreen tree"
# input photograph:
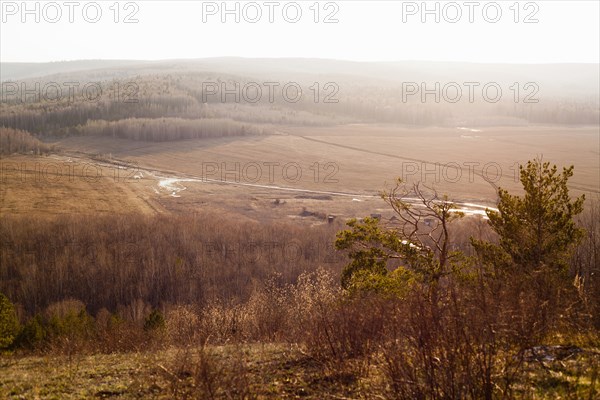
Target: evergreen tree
(537, 229)
(9, 323)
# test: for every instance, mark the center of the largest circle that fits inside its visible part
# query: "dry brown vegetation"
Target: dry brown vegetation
(165, 129)
(102, 260)
(52, 184)
(478, 334)
(368, 156)
(18, 141)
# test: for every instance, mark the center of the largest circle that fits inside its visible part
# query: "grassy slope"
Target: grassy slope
(261, 371)
(266, 371)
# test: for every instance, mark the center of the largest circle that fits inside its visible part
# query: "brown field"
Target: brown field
(62, 185)
(258, 176)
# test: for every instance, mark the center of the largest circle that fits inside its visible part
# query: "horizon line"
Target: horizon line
(302, 58)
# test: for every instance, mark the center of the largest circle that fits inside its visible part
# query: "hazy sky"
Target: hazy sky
(565, 31)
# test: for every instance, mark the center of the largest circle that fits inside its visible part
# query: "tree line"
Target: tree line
(18, 141)
(166, 129)
(186, 96)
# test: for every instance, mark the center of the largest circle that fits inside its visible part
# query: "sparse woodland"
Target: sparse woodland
(18, 141)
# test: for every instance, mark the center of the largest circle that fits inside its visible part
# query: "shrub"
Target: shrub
(182, 324)
(9, 323)
(32, 334)
(67, 328)
(154, 322)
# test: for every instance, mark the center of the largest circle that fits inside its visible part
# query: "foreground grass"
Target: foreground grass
(270, 371)
(256, 371)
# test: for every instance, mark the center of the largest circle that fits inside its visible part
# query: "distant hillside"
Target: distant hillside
(555, 79)
(16, 71)
(295, 92)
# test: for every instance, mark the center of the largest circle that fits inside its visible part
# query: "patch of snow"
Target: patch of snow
(462, 128)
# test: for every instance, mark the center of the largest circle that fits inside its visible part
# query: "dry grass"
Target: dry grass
(272, 371)
(260, 371)
(61, 185)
